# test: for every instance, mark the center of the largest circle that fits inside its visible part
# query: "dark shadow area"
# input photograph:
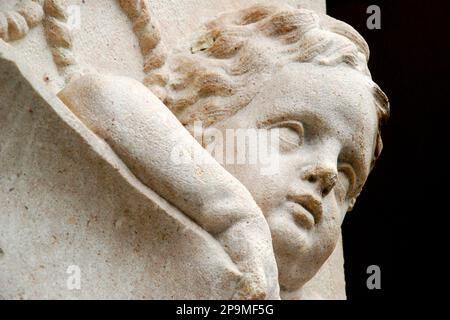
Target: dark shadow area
(410, 61)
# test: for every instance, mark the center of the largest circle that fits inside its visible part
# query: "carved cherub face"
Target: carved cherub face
(327, 125)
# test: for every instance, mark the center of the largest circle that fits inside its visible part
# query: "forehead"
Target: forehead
(337, 102)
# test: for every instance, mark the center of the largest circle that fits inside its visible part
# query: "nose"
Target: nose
(323, 177)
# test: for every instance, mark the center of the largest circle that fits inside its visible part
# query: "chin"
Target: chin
(298, 252)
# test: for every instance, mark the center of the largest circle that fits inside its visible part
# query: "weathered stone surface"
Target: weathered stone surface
(68, 200)
(87, 177)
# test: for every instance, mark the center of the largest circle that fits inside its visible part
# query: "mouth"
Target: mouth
(306, 209)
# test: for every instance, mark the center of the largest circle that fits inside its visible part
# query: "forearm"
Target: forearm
(148, 138)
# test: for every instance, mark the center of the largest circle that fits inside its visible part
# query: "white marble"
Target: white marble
(93, 121)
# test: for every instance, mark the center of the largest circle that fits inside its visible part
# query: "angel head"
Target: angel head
(306, 75)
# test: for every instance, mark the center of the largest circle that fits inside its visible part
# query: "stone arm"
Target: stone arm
(148, 138)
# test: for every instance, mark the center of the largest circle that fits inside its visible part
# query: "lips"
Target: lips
(306, 209)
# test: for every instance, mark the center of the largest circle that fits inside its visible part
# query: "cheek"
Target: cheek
(270, 189)
(267, 181)
(335, 210)
(342, 203)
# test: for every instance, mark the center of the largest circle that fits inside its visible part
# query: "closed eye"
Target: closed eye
(291, 134)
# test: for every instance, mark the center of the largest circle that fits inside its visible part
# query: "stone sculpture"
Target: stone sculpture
(194, 228)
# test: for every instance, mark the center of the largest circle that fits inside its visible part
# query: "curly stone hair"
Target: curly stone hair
(221, 69)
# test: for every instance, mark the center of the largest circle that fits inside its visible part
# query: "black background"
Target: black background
(410, 61)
